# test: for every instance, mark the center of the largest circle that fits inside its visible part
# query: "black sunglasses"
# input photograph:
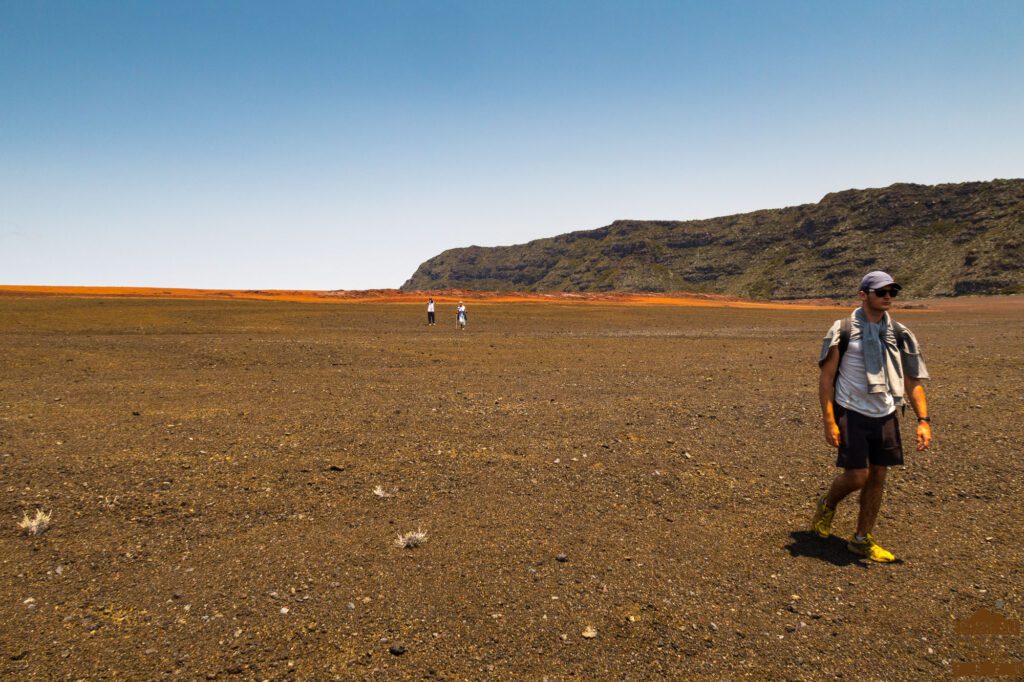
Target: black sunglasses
(881, 293)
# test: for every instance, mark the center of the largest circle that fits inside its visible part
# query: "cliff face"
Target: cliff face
(941, 240)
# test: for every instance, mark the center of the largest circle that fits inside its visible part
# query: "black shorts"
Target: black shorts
(864, 440)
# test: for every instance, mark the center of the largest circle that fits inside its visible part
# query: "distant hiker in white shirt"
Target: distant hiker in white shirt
(430, 312)
(460, 316)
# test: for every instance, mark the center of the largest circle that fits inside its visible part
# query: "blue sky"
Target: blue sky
(337, 145)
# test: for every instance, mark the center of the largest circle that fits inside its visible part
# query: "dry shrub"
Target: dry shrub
(411, 539)
(36, 525)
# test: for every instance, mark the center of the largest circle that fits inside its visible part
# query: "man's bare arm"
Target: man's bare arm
(826, 393)
(915, 391)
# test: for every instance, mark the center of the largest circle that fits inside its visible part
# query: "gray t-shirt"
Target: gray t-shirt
(852, 384)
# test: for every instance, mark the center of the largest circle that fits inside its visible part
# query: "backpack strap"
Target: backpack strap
(901, 342)
(844, 341)
(844, 336)
(901, 334)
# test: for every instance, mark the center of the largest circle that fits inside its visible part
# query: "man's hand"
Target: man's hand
(832, 433)
(924, 435)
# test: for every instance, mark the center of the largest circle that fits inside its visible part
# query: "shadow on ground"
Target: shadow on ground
(832, 549)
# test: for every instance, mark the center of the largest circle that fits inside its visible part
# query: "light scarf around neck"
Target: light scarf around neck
(881, 355)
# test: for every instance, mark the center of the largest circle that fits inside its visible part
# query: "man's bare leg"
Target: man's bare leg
(871, 499)
(851, 480)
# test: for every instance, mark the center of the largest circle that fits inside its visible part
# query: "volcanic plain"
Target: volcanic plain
(608, 491)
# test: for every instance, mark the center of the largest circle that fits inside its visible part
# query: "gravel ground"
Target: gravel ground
(606, 491)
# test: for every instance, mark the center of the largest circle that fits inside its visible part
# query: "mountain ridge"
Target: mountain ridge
(937, 240)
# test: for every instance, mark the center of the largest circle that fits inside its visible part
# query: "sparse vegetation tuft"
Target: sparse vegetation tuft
(380, 492)
(411, 539)
(35, 525)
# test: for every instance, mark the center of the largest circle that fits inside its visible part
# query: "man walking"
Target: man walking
(870, 365)
(430, 312)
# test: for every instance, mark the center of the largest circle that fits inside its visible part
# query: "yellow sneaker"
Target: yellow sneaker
(871, 550)
(822, 521)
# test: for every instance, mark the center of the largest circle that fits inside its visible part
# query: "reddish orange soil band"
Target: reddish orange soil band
(484, 297)
(396, 296)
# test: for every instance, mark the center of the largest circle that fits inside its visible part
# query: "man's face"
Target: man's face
(877, 300)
